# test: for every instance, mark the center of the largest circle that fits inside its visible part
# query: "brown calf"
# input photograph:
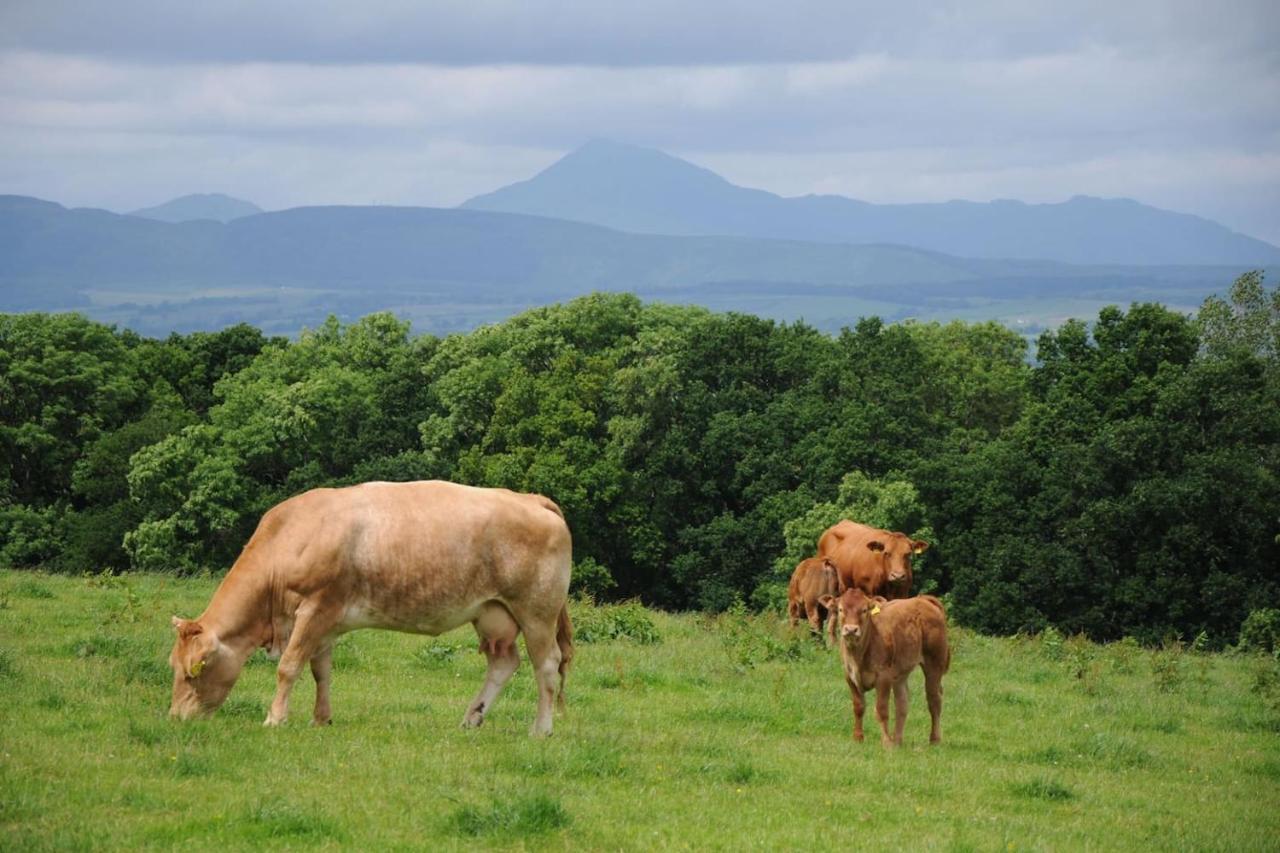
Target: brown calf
(812, 579)
(881, 643)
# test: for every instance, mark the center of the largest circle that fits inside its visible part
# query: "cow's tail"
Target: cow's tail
(550, 504)
(564, 639)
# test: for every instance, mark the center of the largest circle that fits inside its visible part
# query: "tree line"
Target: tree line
(1124, 481)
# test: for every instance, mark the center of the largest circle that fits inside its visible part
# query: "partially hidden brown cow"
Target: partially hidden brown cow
(881, 643)
(876, 561)
(420, 557)
(812, 579)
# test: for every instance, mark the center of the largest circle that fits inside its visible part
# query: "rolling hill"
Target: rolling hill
(451, 269)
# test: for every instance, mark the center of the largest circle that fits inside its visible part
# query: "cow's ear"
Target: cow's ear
(827, 601)
(186, 628)
(875, 545)
(919, 546)
(827, 564)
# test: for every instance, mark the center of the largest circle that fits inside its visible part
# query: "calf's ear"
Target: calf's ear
(919, 546)
(875, 545)
(827, 601)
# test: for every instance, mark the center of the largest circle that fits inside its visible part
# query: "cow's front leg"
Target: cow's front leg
(859, 706)
(321, 669)
(883, 688)
(310, 630)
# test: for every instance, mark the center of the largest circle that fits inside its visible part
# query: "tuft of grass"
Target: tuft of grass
(280, 821)
(144, 734)
(8, 668)
(1114, 751)
(146, 671)
(511, 815)
(32, 588)
(437, 653)
(52, 702)
(1043, 789)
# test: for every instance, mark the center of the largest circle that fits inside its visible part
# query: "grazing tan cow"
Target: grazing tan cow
(812, 579)
(881, 643)
(419, 557)
(876, 561)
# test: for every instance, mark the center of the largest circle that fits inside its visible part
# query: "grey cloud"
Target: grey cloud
(656, 32)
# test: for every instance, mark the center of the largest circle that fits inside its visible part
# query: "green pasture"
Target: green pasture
(729, 733)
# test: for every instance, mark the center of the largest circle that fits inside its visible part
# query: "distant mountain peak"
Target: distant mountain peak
(215, 206)
(644, 190)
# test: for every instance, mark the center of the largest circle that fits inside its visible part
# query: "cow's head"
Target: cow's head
(896, 550)
(855, 611)
(203, 670)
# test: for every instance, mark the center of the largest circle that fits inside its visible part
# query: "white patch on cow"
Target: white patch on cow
(359, 614)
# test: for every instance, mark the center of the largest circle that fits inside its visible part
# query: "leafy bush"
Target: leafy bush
(750, 639)
(594, 623)
(1260, 631)
(591, 579)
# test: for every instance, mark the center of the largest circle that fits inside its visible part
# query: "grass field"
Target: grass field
(729, 733)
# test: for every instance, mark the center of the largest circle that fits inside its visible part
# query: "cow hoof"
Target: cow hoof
(325, 722)
(472, 721)
(272, 722)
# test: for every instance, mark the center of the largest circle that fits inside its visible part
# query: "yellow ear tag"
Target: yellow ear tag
(197, 668)
(875, 610)
(919, 551)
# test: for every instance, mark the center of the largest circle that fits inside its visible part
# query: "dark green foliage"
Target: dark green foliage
(1127, 483)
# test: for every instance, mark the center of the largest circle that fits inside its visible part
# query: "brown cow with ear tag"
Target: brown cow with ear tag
(881, 643)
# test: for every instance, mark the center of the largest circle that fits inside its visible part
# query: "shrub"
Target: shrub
(1051, 643)
(749, 642)
(605, 623)
(1260, 631)
(591, 579)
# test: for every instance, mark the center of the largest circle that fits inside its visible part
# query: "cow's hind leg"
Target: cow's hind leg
(497, 631)
(933, 691)
(321, 669)
(900, 710)
(310, 632)
(883, 688)
(544, 655)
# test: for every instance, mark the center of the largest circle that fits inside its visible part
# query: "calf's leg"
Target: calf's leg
(900, 710)
(497, 632)
(883, 687)
(859, 706)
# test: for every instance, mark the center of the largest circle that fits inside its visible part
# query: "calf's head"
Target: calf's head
(896, 550)
(855, 611)
(203, 670)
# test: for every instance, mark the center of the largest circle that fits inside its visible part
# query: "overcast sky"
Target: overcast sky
(128, 103)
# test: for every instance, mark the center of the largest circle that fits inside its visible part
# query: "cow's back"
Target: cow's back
(416, 556)
(845, 544)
